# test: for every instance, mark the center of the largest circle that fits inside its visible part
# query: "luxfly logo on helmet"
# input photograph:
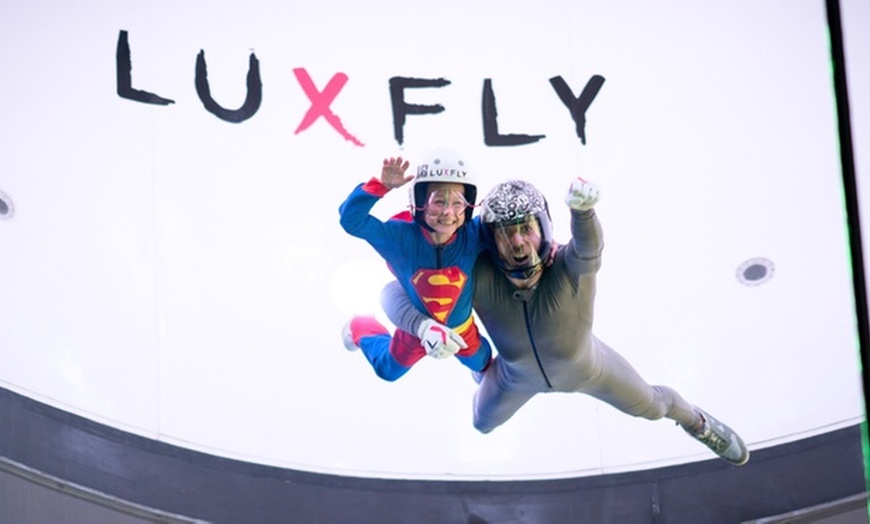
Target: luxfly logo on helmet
(442, 173)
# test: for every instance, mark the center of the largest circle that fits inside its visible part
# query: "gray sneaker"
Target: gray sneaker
(721, 439)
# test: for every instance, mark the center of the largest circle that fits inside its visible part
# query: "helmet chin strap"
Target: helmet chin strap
(523, 273)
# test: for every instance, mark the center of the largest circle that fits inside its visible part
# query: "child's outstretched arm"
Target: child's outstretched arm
(354, 211)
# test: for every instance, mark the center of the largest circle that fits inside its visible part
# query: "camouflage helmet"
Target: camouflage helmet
(516, 202)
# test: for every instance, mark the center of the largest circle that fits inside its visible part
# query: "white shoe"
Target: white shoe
(347, 337)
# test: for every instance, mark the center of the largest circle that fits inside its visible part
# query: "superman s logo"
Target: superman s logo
(439, 289)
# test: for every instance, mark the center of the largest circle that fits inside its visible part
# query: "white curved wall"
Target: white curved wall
(185, 278)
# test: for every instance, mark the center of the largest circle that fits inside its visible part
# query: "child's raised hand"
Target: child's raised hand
(393, 172)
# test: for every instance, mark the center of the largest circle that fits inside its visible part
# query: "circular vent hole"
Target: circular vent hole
(755, 271)
(6, 208)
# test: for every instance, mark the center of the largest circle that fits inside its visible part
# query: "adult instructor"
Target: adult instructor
(540, 319)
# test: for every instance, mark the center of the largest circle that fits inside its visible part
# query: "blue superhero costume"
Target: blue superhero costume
(435, 277)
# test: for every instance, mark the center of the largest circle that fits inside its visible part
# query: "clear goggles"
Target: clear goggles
(528, 228)
(443, 200)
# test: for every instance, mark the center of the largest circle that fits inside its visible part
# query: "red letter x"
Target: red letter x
(320, 102)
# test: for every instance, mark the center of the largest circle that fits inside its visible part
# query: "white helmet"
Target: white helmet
(446, 166)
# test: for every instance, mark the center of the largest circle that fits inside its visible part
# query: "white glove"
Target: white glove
(582, 195)
(438, 340)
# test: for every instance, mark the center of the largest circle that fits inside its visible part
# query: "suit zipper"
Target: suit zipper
(534, 347)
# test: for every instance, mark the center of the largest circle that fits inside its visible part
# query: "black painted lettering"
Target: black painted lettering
(123, 68)
(252, 99)
(579, 105)
(401, 108)
(491, 136)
